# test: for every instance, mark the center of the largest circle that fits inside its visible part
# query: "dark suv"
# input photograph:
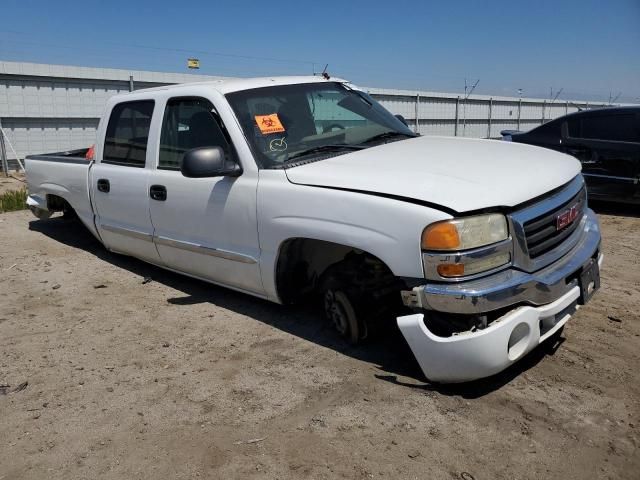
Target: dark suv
(607, 143)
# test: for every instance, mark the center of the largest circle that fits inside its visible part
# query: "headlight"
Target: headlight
(465, 233)
(464, 247)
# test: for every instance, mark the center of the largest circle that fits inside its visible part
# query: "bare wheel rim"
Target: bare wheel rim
(340, 312)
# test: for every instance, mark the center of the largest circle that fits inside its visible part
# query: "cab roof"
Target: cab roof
(238, 84)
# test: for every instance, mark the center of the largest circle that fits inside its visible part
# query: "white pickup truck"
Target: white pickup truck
(296, 188)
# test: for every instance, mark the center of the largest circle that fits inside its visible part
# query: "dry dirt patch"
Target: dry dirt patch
(176, 378)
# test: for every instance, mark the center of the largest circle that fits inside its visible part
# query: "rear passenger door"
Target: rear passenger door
(119, 182)
(608, 146)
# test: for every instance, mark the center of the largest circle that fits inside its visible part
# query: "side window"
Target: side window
(127, 134)
(573, 127)
(188, 123)
(549, 130)
(617, 128)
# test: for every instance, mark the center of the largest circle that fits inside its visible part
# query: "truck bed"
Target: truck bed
(69, 156)
(58, 180)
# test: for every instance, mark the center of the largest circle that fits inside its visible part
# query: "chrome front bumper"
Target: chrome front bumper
(542, 303)
(511, 286)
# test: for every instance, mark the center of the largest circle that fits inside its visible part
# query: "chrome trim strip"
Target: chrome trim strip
(127, 231)
(203, 249)
(613, 177)
(511, 286)
(431, 260)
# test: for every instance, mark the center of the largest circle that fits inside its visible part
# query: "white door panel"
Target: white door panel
(207, 227)
(122, 214)
(120, 181)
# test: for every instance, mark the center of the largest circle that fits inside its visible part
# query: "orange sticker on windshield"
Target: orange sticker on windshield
(269, 124)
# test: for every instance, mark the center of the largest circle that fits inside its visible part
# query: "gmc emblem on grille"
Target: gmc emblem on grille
(567, 217)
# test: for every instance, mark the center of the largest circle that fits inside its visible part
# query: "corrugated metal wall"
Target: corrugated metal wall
(478, 116)
(47, 108)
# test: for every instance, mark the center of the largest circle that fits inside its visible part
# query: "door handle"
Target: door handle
(104, 185)
(158, 192)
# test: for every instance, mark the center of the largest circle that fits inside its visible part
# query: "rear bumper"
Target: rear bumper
(542, 303)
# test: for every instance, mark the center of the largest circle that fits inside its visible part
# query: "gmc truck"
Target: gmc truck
(299, 188)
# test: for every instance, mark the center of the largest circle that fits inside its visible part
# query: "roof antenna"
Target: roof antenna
(324, 73)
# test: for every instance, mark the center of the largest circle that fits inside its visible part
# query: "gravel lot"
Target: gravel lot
(176, 378)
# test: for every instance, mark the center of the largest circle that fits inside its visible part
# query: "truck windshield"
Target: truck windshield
(290, 123)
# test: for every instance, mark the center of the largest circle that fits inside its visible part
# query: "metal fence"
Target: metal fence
(478, 116)
(47, 108)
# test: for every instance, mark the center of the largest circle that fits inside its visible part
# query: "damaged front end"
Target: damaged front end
(475, 326)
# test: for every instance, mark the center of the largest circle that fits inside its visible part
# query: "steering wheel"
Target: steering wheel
(332, 127)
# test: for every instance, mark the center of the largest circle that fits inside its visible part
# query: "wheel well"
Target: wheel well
(304, 263)
(58, 204)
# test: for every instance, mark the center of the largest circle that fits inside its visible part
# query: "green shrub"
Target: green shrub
(13, 200)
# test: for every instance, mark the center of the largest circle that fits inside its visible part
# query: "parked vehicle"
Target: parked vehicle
(607, 143)
(300, 187)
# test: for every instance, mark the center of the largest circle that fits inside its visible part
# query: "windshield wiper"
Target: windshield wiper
(387, 135)
(324, 148)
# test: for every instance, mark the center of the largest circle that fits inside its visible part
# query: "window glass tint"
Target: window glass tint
(188, 123)
(549, 129)
(573, 127)
(128, 133)
(621, 128)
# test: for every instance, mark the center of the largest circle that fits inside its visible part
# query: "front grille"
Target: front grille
(542, 234)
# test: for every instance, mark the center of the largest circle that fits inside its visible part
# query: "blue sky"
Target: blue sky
(588, 48)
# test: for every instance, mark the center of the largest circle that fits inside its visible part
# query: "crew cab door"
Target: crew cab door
(119, 182)
(205, 227)
(608, 146)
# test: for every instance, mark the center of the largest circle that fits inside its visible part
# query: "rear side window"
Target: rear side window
(618, 128)
(188, 123)
(128, 134)
(573, 127)
(550, 129)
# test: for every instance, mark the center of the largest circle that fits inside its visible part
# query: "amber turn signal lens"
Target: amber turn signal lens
(451, 269)
(440, 236)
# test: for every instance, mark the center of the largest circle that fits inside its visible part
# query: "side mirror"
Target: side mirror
(208, 162)
(402, 119)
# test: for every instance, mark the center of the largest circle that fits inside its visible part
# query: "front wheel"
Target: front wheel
(340, 310)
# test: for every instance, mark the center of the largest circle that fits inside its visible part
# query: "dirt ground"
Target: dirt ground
(175, 378)
(15, 181)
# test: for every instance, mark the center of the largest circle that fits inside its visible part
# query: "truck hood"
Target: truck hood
(457, 173)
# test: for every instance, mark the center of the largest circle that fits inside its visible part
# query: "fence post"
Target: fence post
(417, 110)
(566, 107)
(455, 130)
(519, 110)
(131, 83)
(489, 122)
(3, 152)
(544, 104)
